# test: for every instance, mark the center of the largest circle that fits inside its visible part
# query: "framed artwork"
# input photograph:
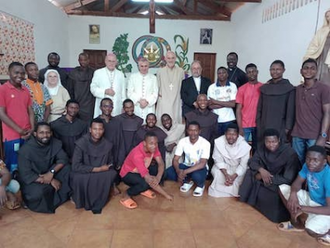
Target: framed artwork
(206, 36)
(94, 34)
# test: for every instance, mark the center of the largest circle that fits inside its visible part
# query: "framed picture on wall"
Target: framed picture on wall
(94, 34)
(206, 36)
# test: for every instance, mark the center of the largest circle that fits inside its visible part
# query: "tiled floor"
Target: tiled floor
(187, 222)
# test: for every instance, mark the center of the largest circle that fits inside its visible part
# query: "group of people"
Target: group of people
(77, 135)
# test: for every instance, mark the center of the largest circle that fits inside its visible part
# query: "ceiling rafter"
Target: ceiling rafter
(215, 7)
(77, 4)
(183, 8)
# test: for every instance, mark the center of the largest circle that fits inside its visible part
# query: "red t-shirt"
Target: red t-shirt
(248, 96)
(16, 102)
(136, 160)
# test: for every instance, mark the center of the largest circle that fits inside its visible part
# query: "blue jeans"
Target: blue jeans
(198, 176)
(12, 187)
(251, 132)
(300, 146)
(222, 127)
(11, 153)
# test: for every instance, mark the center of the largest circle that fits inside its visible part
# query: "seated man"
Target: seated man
(231, 155)
(273, 164)
(44, 171)
(130, 124)
(314, 204)
(196, 151)
(8, 189)
(69, 128)
(174, 132)
(138, 173)
(92, 169)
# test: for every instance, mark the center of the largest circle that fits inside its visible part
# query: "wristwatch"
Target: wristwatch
(52, 171)
(324, 135)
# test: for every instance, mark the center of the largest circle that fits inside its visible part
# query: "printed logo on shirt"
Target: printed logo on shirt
(313, 183)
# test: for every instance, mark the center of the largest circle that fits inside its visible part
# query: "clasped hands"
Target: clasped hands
(48, 178)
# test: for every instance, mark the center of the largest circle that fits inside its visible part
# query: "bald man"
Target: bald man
(169, 83)
(108, 82)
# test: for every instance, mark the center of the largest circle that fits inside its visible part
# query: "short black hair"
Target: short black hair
(149, 134)
(232, 126)
(319, 149)
(40, 124)
(53, 53)
(71, 101)
(83, 54)
(127, 101)
(105, 99)
(271, 132)
(222, 68)
(309, 61)
(150, 115)
(29, 63)
(194, 123)
(251, 65)
(12, 64)
(233, 53)
(163, 115)
(97, 120)
(279, 62)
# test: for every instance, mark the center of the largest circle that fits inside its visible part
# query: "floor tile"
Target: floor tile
(214, 238)
(171, 220)
(90, 238)
(206, 219)
(132, 238)
(134, 219)
(174, 239)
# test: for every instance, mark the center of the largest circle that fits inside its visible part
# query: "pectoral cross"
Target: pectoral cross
(171, 86)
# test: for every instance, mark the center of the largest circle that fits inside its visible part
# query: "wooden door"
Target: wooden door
(208, 61)
(96, 58)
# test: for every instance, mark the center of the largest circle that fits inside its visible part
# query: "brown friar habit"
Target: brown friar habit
(35, 159)
(208, 122)
(79, 81)
(68, 132)
(113, 132)
(276, 108)
(130, 125)
(284, 165)
(161, 135)
(91, 190)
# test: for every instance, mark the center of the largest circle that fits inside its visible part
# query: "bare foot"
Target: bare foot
(13, 202)
(116, 191)
(169, 197)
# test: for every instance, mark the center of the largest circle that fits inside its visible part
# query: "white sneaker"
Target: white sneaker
(199, 191)
(186, 186)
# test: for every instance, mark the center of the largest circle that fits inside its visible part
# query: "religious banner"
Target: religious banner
(16, 41)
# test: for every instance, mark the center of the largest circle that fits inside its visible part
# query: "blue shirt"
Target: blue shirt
(318, 183)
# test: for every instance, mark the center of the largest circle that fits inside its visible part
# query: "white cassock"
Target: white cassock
(143, 87)
(104, 79)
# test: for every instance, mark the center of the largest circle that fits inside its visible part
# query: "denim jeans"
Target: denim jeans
(12, 187)
(251, 132)
(11, 153)
(300, 146)
(198, 176)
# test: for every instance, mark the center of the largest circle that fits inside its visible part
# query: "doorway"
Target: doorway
(208, 61)
(96, 58)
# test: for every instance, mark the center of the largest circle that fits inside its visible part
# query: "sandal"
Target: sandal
(12, 205)
(288, 227)
(199, 191)
(325, 240)
(149, 194)
(128, 203)
(186, 186)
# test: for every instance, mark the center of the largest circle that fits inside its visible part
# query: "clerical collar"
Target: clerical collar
(219, 85)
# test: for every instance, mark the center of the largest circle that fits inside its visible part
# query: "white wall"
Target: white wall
(286, 37)
(50, 27)
(111, 28)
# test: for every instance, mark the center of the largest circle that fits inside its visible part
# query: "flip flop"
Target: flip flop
(128, 203)
(186, 186)
(149, 194)
(325, 240)
(199, 191)
(288, 227)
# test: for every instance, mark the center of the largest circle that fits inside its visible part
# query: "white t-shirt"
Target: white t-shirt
(223, 93)
(193, 152)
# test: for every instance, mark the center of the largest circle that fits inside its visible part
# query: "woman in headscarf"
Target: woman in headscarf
(58, 93)
(319, 49)
(231, 155)
(272, 165)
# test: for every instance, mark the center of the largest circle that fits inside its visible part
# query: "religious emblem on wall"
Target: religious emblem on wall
(152, 48)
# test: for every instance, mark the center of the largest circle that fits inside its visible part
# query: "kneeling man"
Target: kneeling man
(231, 155)
(314, 204)
(92, 169)
(44, 171)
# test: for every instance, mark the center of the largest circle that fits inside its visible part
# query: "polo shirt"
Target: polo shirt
(136, 161)
(223, 93)
(193, 153)
(309, 113)
(15, 102)
(248, 97)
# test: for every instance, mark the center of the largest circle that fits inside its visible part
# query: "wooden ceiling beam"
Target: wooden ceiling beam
(76, 5)
(106, 5)
(183, 8)
(175, 17)
(216, 8)
(162, 8)
(118, 5)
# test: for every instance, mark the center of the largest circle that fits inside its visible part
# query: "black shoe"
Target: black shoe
(97, 211)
